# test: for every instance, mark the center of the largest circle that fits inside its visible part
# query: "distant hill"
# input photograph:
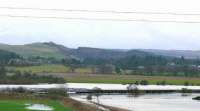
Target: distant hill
(189, 54)
(5, 56)
(95, 53)
(50, 49)
(35, 49)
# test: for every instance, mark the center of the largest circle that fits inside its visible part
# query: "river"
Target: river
(101, 86)
(148, 102)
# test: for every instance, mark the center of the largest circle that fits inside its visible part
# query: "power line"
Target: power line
(99, 11)
(98, 19)
(96, 11)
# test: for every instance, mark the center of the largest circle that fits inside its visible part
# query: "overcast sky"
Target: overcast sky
(103, 34)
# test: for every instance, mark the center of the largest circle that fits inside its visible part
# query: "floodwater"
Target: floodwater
(148, 102)
(101, 86)
(124, 87)
(39, 107)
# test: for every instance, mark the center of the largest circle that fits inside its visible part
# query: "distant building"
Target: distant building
(171, 64)
(140, 67)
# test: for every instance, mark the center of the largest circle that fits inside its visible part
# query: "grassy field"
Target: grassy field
(42, 68)
(83, 70)
(53, 68)
(124, 79)
(19, 105)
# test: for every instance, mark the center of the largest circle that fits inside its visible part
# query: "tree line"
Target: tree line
(149, 65)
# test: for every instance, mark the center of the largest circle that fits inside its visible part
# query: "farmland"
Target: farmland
(123, 79)
(49, 68)
(83, 75)
(42, 69)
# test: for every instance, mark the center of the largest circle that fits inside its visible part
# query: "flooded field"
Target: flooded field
(148, 102)
(39, 107)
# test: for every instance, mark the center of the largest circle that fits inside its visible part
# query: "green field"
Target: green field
(53, 68)
(124, 79)
(19, 105)
(42, 69)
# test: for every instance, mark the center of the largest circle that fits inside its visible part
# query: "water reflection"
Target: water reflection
(150, 102)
